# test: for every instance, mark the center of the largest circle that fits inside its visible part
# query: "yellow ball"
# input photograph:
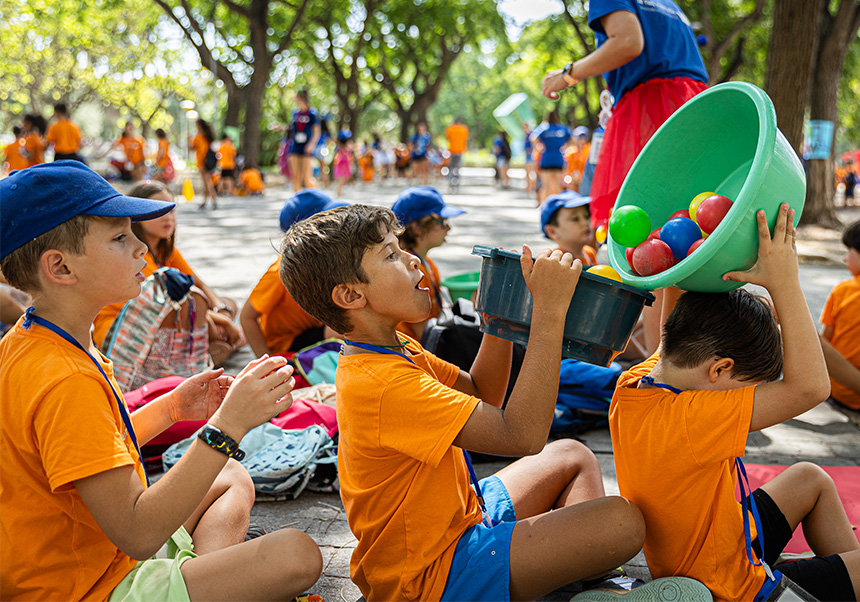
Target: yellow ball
(600, 234)
(697, 201)
(607, 271)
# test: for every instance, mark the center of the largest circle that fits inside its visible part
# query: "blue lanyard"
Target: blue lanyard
(485, 517)
(746, 495)
(30, 317)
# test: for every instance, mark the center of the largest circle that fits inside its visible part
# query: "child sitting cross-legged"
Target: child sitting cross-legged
(680, 419)
(406, 417)
(80, 521)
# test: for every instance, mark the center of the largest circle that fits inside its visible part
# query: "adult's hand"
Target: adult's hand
(553, 83)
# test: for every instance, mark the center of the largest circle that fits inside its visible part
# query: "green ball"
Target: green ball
(629, 226)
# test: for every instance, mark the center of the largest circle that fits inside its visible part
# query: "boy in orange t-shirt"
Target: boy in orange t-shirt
(64, 135)
(680, 419)
(271, 319)
(841, 333)
(251, 182)
(71, 462)
(406, 417)
(227, 163)
(12, 152)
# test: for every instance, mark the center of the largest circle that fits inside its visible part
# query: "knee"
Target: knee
(813, 476)
(628, 521)
(236, 479)
(302, 556)
(573, 454)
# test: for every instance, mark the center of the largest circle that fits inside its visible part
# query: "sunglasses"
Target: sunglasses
(442, 221)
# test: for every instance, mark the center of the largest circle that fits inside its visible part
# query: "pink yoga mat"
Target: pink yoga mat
(847, 479)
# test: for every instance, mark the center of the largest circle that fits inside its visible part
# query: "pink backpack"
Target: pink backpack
(140, 397)
(304, 412)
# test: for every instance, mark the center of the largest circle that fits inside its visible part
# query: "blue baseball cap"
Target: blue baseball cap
(40, 198)
(554, 202)
(304, 204)
(418, 201)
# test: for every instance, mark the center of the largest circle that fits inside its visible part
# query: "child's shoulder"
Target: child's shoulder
(847, 289)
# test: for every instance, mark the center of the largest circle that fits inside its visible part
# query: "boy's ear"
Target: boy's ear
(550, 232)
(722, 366)
(348, 296)
(54, 268)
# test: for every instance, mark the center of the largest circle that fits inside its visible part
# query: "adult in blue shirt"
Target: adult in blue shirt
(421, 143)
(303, 135)
(647, 52)
(550, 137)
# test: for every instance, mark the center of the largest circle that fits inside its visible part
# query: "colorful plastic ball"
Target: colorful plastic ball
(600, 234)
(695, 246)
(679, 234)
(629, 225)
(655, 233)
(606, 271)
(711, 212)
(694, 204)
(629, 254)
(681, 213)
(652, 257)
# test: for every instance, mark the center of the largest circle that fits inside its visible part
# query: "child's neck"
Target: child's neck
(70, 314)
(375, 333)
(686, 379)
(421, 249)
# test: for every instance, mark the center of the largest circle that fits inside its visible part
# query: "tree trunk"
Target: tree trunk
(836, 33)
(253, 92)
(234, 105)
(793, 47)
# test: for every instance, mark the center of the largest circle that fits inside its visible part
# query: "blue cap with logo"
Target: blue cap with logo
(304, 204)
(40, 198)
(580, 132)
(554, 202)
(418, 201)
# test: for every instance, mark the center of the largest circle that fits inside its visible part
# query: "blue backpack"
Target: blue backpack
(584, 393)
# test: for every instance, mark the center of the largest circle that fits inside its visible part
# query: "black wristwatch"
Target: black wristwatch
(216, 439)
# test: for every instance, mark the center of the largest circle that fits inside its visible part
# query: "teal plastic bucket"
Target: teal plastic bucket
(601, 316)
(461, 286)
(723, 140)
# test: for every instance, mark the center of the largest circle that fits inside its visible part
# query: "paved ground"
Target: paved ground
(232, 246)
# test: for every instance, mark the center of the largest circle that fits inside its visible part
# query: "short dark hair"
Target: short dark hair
(326, 250)
(160, 133)
(738, 324)
(60, 107)
(16, 131)
(851, 236)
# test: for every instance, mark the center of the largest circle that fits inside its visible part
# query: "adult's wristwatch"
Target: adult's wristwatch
(566, 75)
(216, 439)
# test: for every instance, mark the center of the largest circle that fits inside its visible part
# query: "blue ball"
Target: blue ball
(680, 233)
(702, 40)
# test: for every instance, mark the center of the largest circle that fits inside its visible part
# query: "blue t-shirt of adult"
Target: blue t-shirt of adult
(670, 45)
(553, 136)
(420, 142)
(302, 130)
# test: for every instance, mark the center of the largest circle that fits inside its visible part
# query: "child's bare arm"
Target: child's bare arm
(523, 426)
(138, 520)
(248, 318)
(489, 374)
(805, 383)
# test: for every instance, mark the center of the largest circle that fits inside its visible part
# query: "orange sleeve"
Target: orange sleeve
(176, 260)
(827, 314)
(268, 293)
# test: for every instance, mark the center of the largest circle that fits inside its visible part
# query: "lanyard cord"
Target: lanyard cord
(29, 318)
(485, 517)
(746, 495)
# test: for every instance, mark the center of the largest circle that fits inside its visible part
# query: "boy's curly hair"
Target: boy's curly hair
(851, 236)
(326, 250)
(738, 325)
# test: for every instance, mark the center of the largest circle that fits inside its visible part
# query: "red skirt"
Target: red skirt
(634, 120)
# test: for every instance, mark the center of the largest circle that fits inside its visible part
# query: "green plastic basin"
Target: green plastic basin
(723, 140)
(461, 286)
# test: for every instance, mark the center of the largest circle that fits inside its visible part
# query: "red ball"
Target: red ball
(629, 255)
(695, 246)
(711, 212)
(654, 234)
(681, 213)
(652, 257)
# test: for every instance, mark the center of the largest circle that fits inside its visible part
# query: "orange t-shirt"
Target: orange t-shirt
(457, 135)
(365, 163)
(108, 314)
(842, 312)
(59, 422)
(281, 318)
(164, 150)
(65, 136)
(201, 147)
(675, 459)
(252, 180)
(34, 144)
(405, 489)
(576, 162)
(227, 155)
(431, 280)
(133, 148)
(14, 157)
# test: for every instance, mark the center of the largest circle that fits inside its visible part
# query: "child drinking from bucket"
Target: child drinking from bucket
(424, 215)
(565, 219)
(406, 417)
(841, 333)
(680, 420)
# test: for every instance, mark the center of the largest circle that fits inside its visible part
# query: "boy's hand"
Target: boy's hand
(777, 256)
(260, 392)
(199, 396)
(552, 276)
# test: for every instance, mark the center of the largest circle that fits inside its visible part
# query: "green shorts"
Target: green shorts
(159, 577)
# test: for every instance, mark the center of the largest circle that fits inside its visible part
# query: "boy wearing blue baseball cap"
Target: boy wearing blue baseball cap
(424, 215)
(565, 219)
(71, 463)
(271, 320)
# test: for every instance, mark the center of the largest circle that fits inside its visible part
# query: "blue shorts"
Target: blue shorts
(481, 568)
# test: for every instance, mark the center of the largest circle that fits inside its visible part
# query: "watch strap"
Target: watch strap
(567, 77)
(218, 440)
